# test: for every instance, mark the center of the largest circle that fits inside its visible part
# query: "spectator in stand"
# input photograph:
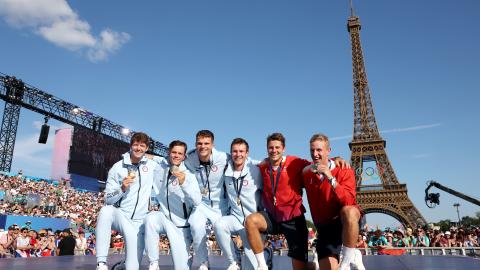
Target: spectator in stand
(34, 243)
(471, 241)
(439, 240)
(118, 243)
(421, 240)
(90, 245)
(81, 243)
(66, 246)
(398, 239)
(7, 241)
(460, 240)
(408, 239)
(452, 240)
(378, 240)
(389, 237)
(23, 244)
(361, 242)
(46, 243)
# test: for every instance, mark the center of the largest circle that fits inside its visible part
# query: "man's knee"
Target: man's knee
(221, 225)
(350, 214)
(107, 210)
(254, 222)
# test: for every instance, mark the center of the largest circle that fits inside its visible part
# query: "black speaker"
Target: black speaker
(44, 134)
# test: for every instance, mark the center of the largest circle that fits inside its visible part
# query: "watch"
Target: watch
(333, 181)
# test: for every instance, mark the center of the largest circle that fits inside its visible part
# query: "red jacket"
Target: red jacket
(325, 202)
(289, 190)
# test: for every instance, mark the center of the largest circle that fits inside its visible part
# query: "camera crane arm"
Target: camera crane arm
(432, 199)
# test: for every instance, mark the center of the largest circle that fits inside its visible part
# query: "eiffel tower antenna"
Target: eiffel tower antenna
(389, 197)
(352, 14)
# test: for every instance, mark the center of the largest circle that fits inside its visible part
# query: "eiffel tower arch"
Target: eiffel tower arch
(389, 196)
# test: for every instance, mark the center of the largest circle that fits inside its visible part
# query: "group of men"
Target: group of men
(238, 196)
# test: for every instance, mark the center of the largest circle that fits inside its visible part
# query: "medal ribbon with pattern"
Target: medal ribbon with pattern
(238, 185)
(206, 184)
(275, 184)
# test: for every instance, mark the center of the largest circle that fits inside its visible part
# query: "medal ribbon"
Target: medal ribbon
(275, 184)
(238, 185)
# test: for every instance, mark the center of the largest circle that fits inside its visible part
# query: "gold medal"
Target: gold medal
(238, 201)
(174, 169)
(205, 191)
(274, 201)
(131, 173)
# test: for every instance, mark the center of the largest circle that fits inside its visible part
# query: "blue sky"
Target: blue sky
(249, 68)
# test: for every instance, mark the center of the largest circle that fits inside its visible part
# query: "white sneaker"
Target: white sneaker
(315, 260)
(357, 263)
(233, 266)
(154, 266)
(102, 266)
(203, 266)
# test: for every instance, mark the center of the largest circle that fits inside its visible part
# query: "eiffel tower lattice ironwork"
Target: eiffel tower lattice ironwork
(389, 197)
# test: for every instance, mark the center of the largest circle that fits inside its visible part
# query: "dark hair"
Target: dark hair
(239, 141)
(205, 133)
(177, 143)
(277, 136)
(140, 137)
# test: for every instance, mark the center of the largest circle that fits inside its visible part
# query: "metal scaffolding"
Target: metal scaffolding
(17, 94)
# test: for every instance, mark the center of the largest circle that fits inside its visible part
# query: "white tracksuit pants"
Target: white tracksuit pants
(198, 220)
(224, 228)
(111, 218)
(156, 223)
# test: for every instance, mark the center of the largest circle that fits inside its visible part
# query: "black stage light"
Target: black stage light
(44, 132)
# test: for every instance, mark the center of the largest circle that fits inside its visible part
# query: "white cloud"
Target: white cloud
(394, 130)
(109, 42)
(55, 21)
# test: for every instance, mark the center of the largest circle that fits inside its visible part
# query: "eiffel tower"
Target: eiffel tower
(389, 197)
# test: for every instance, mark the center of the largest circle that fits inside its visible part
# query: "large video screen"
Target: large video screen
(93, 154)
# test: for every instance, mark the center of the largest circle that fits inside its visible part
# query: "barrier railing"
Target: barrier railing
(435, 251)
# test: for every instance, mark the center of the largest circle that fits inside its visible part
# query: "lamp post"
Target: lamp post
(457, 205)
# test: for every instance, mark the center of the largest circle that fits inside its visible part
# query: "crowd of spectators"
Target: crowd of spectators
(41, 198)
(24, 242)
(420, 237)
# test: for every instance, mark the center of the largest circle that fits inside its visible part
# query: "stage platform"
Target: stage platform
(379, 262)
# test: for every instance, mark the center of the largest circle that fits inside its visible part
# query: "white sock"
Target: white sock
(261, 259)
(348, 255)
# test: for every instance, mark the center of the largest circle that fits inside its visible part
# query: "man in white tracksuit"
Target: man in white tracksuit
(208, 165)
(244, 184)
(177, 191)
(127, 197)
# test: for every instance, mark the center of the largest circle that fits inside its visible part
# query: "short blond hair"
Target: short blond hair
(320, 137)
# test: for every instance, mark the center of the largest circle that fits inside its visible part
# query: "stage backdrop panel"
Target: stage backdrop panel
(93, 154)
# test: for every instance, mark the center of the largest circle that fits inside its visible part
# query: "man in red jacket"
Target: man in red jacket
(282, 199)
(331, 196)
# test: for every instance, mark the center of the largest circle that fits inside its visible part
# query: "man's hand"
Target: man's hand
(127, 181)
(179, 175)
(324, 169)
(341, 163)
